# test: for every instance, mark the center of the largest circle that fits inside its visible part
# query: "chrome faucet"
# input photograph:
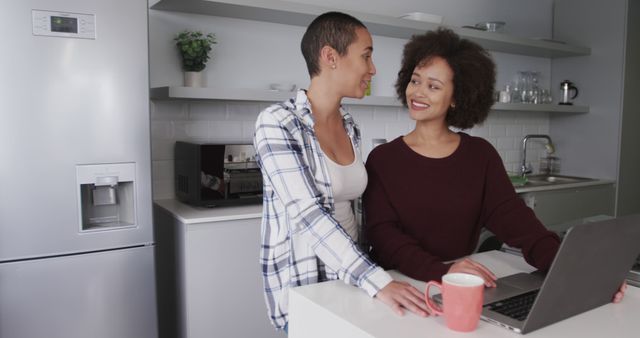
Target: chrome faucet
(524, 168)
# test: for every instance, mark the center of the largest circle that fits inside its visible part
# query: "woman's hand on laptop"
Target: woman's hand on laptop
(470, 266)
(617, 298)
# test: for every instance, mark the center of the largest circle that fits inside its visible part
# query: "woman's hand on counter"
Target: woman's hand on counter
(399, 295)
(470, 266)
(617, 298)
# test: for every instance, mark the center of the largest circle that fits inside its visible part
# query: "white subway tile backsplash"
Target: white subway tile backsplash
(529, 129)
(162, 149)
(163, 189)
(497, 130)
(514, 130)
(512, 168)
(497, 118)
(493, 141)
(502, 153)
(226, 131)
(230, 121)
(360, 113)
(162, 169)
(161, 130)
(512, 156)
(243, 112)
(531, 118)
(543, 129)
(395, 129)
(192, 129)
(505, 143)
(369, 131)
(385, 113)
(248, 128)
(207, 111)
(168, 111)
(479, 130)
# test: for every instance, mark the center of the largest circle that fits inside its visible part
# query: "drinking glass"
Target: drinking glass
(517, 87)
(534, 89)
(546, 96)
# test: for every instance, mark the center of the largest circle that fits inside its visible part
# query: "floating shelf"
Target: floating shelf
(231, 94)
(551, 108)
(282, 12)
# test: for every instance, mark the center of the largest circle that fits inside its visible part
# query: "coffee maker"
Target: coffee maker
(568, 92)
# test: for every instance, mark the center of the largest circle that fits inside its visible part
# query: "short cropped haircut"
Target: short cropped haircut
(474, 73)
(334, 29)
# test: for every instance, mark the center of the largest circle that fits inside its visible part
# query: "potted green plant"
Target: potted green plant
(194, 48)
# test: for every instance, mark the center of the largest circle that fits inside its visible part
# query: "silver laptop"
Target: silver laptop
(591, 264)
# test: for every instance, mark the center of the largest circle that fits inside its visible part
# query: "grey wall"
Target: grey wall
(590, 142)
(629, 179)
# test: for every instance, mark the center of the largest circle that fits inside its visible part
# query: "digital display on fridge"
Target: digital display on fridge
(64, 24)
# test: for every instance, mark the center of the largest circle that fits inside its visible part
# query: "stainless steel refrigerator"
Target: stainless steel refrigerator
(76, 241)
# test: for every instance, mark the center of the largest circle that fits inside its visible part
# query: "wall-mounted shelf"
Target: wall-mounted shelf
(551, 108)
(297, 14)
(231, 94)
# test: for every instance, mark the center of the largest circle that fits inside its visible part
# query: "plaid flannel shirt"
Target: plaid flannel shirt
(302, 243)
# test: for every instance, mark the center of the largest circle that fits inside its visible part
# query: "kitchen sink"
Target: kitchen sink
(537, 180)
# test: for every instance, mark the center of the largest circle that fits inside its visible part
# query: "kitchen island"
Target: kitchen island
(335, 309)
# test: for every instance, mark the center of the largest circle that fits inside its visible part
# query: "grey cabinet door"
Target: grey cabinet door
(209, 279)
(555, 207)
(223, 286)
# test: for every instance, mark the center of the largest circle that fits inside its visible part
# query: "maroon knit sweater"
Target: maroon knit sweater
(421, 212)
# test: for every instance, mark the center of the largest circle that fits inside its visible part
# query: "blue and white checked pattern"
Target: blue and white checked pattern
(302, 243)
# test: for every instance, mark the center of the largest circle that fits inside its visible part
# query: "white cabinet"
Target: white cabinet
(209, 276)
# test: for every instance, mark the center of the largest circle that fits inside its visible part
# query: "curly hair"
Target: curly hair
(334, 29)
(474, 73)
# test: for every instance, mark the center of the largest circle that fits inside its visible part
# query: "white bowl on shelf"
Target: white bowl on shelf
(420, 16)
(491, 26)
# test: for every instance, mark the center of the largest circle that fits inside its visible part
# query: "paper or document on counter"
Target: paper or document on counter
(503, 264)
(511, 250)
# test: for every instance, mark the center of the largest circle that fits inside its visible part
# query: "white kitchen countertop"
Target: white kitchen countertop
(189, 214)
(335, 309)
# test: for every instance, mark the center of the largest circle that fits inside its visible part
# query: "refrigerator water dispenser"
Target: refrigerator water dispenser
(106, 195)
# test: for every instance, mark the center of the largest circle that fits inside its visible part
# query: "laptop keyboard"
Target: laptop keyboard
(516, 307)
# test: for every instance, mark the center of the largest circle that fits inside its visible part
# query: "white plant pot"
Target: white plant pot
(194, 79)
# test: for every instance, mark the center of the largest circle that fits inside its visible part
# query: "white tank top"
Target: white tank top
(347, 182)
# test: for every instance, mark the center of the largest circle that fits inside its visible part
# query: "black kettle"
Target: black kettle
(568, 92)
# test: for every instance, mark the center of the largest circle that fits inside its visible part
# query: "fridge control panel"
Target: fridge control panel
(64, 24)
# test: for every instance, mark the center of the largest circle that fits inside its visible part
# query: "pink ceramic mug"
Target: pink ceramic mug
(461, 300)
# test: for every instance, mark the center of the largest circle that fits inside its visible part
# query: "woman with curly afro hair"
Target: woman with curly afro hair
(432, 191)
